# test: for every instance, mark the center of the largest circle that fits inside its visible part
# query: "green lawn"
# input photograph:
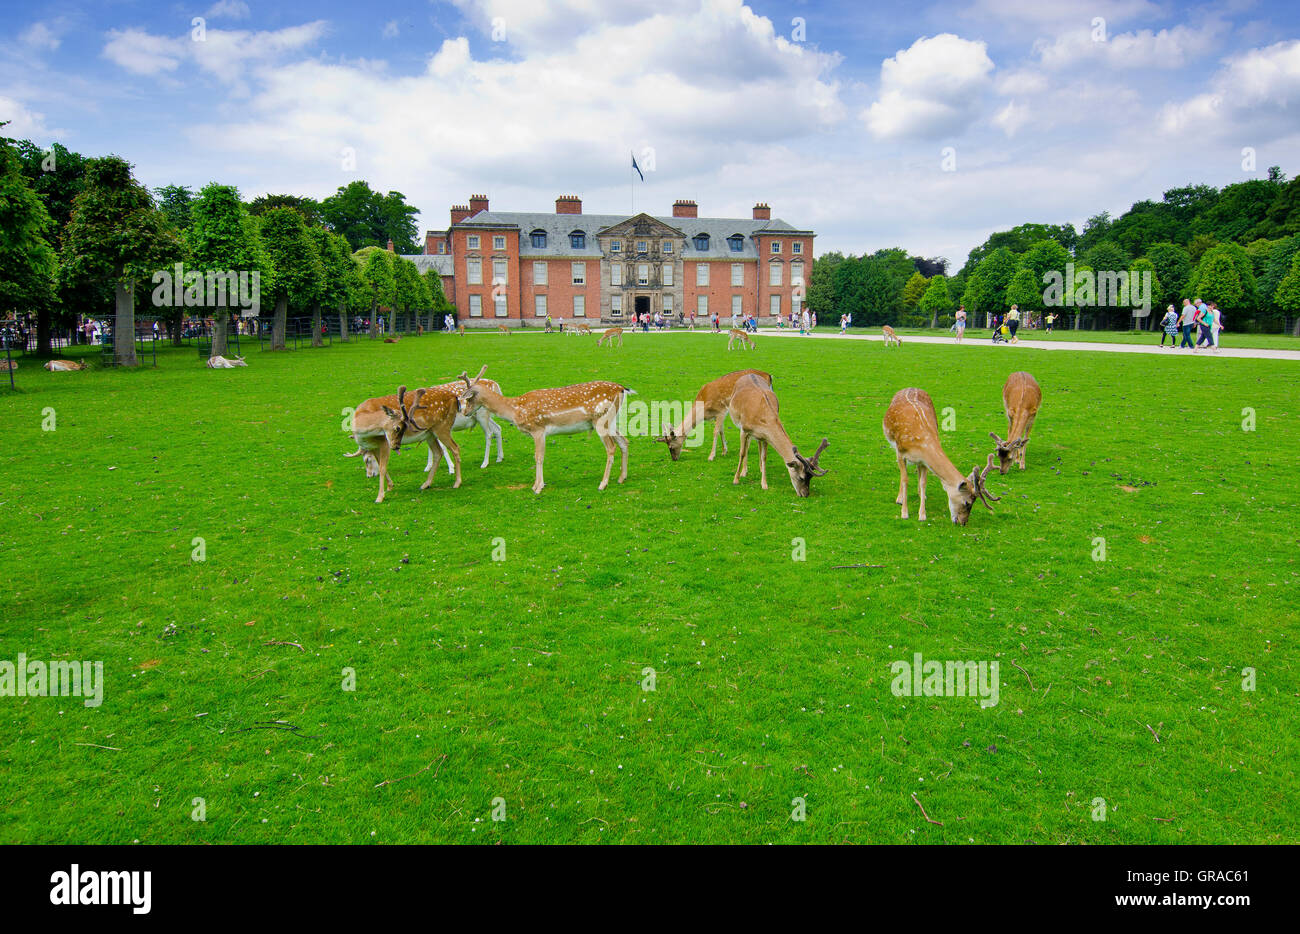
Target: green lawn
(522, 679)
(1227, 339)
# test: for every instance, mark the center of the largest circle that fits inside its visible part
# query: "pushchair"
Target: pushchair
(1002, 334)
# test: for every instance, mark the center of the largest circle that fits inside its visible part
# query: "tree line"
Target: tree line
(81, 235)
(1238, 246)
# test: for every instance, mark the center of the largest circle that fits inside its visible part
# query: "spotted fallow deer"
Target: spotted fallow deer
(1021, 397)
(746, 340)
(55, 366)
(912, 431)
(218, 362)
(567, 410)
(890, 336)
(502, 327)
(711, 404)
(377, 426)
(754, 409)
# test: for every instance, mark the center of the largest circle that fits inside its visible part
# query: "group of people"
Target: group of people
(1205, 317)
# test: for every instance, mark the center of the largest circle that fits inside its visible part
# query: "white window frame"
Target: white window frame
(642, 273)
(668, 304)
(616, 305)
(539, 306)
(476, 306)
(775, 274)
(499, 306)
(702, 274)
(642, 246)
(579, 306)
(471, 241)
(666, 271)
(539, 272)
(775, 306)
(500, 268)
(616, 246)
(776, 246)
(796, 246)
(616, 274)
(498, 243)
(796, 272)
(702, 305)
(579, 273)
(667, 246)
(737, 273)
(474, 270)
(737, 306)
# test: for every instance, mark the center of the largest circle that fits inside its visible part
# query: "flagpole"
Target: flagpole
(631, 182)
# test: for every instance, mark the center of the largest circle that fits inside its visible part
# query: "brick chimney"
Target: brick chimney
(458, 213)
(568, 204)
(762, 212)
(477, 203)
(684, 208)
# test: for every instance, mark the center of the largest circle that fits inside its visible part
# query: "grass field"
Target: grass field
(1229, 339)
(522, 679)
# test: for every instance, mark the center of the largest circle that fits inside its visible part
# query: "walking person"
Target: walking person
(1169, 325)
(806, 323)
(1203, 319)
(1185, 324)
(1216, 324)
(1013, 323)
(960, 323)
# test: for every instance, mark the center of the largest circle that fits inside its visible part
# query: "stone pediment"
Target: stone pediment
(641, 225)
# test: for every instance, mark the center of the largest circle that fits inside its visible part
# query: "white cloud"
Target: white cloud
(23, 123)
(390, 30)
(931, 89)
(233, 9)
(1256, 92)
(1172, 48)
(44, 36)
(222, 53)
(1011, 118)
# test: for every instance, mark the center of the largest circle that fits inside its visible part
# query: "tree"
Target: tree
(116, 235)
(1277, 267)
(1217, 280)
(1024, 290)
(1043, 257)
(820, 297)
(936, 301)
(1140, 268)
(438, 303)
(986, 290)
(341, 281)
(309, 208)
(222, 238)
(1173, 267)
(27, 261)
(377, 274)
(1199, 244)
(297, 265)
(57, 175)
(367, 218)
(1287, 296)
(913, 290)
(176, 203)
(407, 289)
(1242, 266)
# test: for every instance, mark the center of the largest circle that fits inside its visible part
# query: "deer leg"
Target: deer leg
(539, 455)
(436, 451)
(762, 463)
(1020, 455)
(902, 485)
(495, 431)
(740, 462)
(385, 482)
(622, 444)
(449, 444)
(921, 474)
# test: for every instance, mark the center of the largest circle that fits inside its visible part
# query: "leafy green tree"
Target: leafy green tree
(936, 301)
(297, 264)
(1025, 290)
(27, 261)
(820, 297)
(116, 235)
(367, 218)
(1245, 275)
(1043, 257)
(912, 291)
(309, 208)
(342, 279)
(381, 286)
(1106, 256)
(176, 202)
(57, 175)
(222, 238)
(406, 290)
(438, 303)
(1287, 296)
(1198, 245)
(1217, 279)
(986, 290)
(1173, 267)
(1141, 267)
(1277, 267)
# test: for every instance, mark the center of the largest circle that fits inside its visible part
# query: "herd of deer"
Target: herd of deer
(382, 425)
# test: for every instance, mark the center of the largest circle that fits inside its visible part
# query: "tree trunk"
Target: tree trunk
(392, 320)
(124, 324)
(219, 327)
(281, 320)
(176, 326)
(374, 319)
(316, 340)
(343, 323)
(43, 342)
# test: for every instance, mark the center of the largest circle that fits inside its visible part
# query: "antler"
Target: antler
(981, 490)
(994, 436)
(812, 464)
(465, 376)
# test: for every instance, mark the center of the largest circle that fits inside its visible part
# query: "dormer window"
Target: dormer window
(736, 242)
(702, 242)
(578, 240)
(538, 238)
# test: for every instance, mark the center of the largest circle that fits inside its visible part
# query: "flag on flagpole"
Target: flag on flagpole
(637, 167)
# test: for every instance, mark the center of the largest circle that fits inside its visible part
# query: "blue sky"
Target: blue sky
(922, 125)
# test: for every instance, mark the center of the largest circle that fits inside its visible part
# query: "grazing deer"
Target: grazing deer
(60, 366)
(890, 336)
(754, 409)
(568, 410)
(743, 336)
(1021, 397)
(581, 329)
(912, 431)
(376, 428)
(711, 404)
(219, 362)
(502, 327)
(610, 335)
(460, 328)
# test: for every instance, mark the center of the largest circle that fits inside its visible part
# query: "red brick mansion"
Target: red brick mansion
(514, 268)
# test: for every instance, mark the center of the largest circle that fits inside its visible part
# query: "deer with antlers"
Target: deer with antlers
(754, 409)
(377, 428)
(566, 410)
(611, 335)
(912, 431)
(1021, 397)
(746, 340)
(711, 404)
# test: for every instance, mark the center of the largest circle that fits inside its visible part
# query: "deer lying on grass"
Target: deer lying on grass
(711, 404)
(391, 340)
(744, 337)
(890, 336)
(610, 335)
(1021, 397)
(219, 362)
(754, 409)
(567, 410)
(59, 366)
(912, 431)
